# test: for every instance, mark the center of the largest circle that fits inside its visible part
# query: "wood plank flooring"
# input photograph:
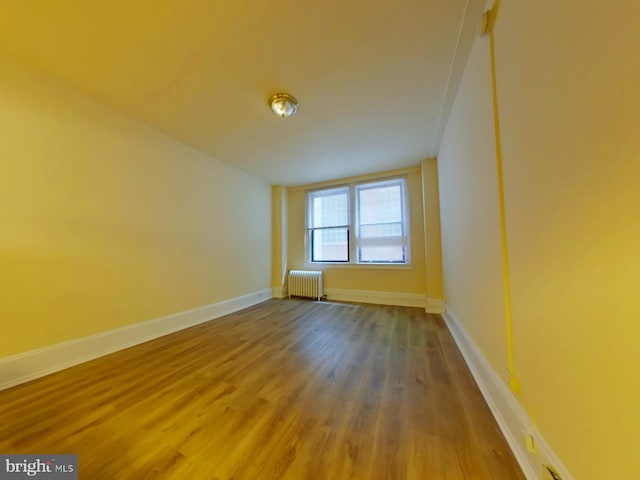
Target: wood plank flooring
(288, 389)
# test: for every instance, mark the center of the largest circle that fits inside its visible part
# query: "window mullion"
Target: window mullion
(353, 247)
(332, 227)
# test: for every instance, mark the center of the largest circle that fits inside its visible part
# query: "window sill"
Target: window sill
(358, 266)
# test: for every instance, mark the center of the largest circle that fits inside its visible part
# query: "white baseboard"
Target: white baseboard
(27, 366)
(509, 414)
(379, 298)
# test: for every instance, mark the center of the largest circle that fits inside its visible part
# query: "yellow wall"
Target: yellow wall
(567, 80)
(279, 229)
(405, 280)
(470, 223)
(431, 210)
(106, 222)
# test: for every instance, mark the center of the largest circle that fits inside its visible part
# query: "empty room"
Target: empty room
(362, 240)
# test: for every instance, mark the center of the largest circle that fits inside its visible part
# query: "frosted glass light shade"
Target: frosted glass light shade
(283, 104)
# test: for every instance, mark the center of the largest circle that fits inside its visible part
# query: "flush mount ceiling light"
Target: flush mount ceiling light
(283, 104)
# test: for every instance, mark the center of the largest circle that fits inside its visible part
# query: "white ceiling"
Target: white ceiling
(375, 79)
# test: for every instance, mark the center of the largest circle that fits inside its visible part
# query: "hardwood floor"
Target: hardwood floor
(288, 389)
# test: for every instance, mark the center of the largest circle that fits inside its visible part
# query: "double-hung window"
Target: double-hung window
(328, 221)
(365, 223)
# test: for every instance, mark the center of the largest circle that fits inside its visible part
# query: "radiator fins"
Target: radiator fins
(305, 283)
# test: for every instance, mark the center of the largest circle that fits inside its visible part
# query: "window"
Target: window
(375, 230)
(328, 221)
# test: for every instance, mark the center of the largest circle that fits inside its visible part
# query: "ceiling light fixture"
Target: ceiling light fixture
(283, 104)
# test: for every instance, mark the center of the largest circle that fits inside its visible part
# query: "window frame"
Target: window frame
(353, 238)
(339, 189)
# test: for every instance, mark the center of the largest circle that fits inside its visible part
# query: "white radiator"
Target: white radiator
(305, 283)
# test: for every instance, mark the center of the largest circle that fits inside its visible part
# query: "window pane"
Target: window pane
(381, 233)
(330, 245)
(386, 254)
(329, 208)
(380, 204)
(381, 230)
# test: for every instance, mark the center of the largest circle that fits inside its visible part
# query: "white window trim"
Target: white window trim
(363, 266)
(353, 263)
